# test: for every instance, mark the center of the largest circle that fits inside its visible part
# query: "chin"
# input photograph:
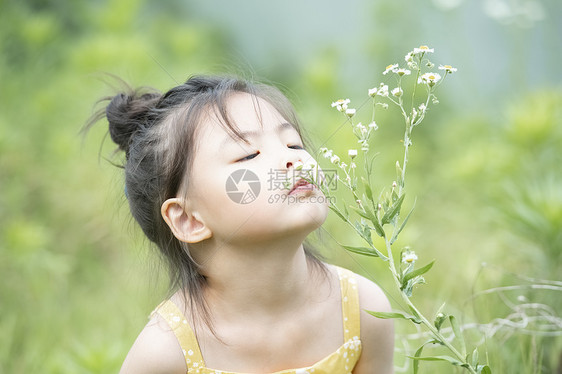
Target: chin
(307, 218)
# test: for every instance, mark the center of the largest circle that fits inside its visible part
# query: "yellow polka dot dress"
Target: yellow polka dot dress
(342, 361)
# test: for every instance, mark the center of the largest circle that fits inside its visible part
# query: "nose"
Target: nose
(293, 162)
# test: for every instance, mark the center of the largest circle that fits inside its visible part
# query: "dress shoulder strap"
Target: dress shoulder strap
(350, 304)
(184, 333)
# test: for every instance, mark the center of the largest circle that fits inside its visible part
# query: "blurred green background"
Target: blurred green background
(78, 279)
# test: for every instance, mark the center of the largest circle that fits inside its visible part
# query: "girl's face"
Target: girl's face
(249, 191)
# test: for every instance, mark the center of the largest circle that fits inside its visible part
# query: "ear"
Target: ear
(187, 226)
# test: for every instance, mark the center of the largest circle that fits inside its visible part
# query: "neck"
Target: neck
(257, 280)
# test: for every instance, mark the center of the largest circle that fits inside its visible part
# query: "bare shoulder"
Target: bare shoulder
(156, 351)
(377, 335)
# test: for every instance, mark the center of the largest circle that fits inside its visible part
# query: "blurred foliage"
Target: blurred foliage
(78, 279)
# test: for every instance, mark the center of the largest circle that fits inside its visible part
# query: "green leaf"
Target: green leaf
(416, 362)
(399, 173)
(369, 213)
(393, 211)
(417, 272)
(439, 319)
(362, 213)
(368, 190)
(396, 233)
(486, 370)
(365, 251)
(475, 357)
(336, 210)
(458, 333)
(394, 315)
(378, 227)
(438, 358)
(419, 351)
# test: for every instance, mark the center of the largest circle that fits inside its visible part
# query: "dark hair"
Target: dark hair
(157, 131)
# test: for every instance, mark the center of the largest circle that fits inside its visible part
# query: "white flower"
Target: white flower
(422, 107)
(341, 104)
(397, 92)
(448, 68)
(429, 79)
(383, 91)
(390, 67)
(326, 152)
(402, 72)
(352, 153)
(372, 92)
(343, 165)
(352, 165)
(335, 159)
(373, 126)
(409, 257)
(423, 49)
(350, 112)
(362, 129)
(409, 57)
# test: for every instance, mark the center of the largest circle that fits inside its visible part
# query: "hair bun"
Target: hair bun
(129, 112)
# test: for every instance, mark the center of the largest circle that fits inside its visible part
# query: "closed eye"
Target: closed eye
(249, 157)
(296, 146)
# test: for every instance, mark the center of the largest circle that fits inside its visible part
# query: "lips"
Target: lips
(301, 185)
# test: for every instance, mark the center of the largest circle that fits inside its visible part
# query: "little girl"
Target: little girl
(247, 296)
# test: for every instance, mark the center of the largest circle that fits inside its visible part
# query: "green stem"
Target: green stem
(392, 266)
(407, 133)
(438, 336)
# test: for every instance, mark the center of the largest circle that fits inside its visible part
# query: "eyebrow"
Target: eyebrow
(252, 134)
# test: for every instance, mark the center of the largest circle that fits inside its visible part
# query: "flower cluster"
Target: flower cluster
(361, 131)
(382, 90)
(349, 170)
(341, 104)
(381, 214)
(394, 68)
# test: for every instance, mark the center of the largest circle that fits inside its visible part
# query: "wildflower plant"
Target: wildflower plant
(382, 214)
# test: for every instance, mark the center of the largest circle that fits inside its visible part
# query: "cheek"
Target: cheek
(224, 194)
